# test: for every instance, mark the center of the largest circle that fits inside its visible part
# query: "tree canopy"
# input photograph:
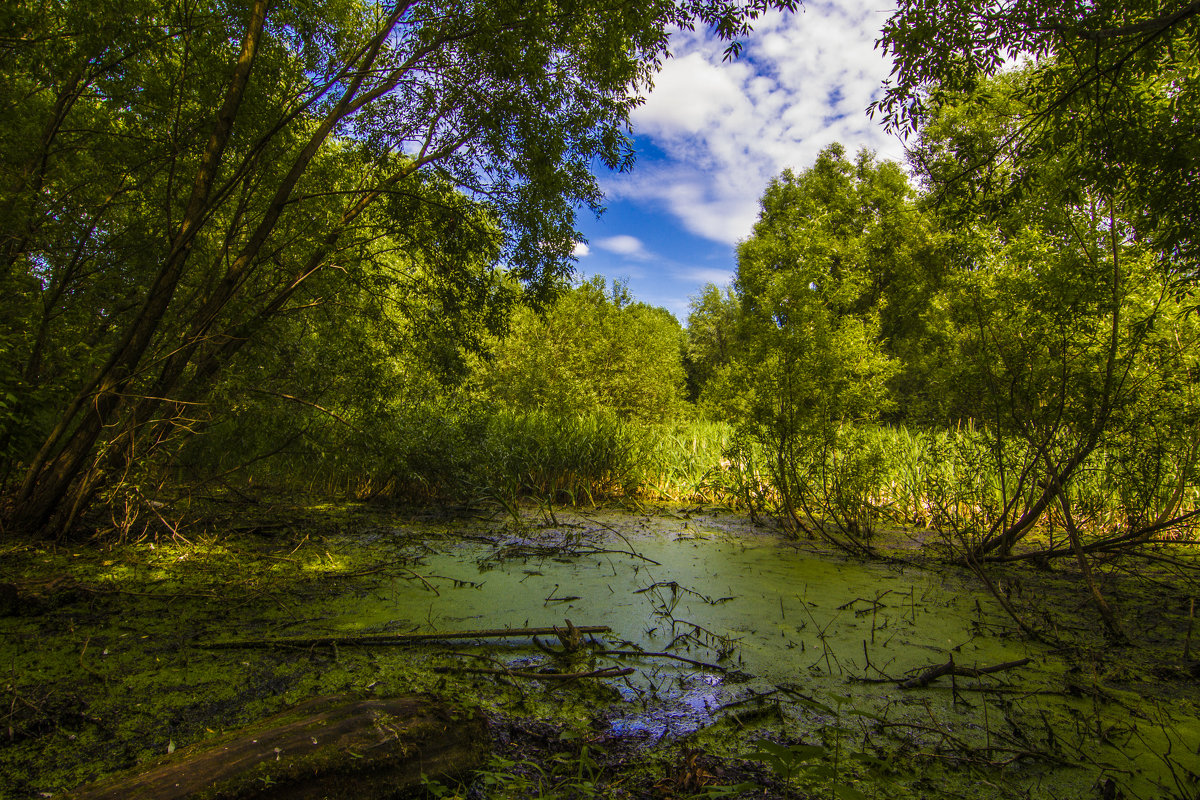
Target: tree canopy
(593, 349)
(177, 177)
(1110, 90)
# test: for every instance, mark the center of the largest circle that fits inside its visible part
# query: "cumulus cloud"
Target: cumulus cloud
(581, 250)
(624, 245)
(803, 82)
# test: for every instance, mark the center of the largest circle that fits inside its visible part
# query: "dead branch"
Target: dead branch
(394, 638)
(950, 668)
(646, 654)
(311, 404)
(598, 551)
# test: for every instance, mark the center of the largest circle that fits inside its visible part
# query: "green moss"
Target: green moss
(105, 670)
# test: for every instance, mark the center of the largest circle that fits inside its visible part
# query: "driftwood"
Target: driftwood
(398, 638)
(950, 668)
(330, 747)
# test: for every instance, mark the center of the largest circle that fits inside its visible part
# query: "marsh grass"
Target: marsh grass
(687, 461)
(558, 459)
(954, 486)
(951, 486)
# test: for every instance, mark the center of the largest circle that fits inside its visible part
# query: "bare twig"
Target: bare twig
(606, 672)
(646, 654)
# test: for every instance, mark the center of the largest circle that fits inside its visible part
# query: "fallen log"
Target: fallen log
(340, 748)
(950, 668)
(395, 638)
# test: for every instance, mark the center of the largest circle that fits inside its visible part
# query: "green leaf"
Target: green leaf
(772, 748)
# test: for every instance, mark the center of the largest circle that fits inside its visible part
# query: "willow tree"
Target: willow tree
(822, 281)
(1072, 347)
(1113, 84)
(1074, 167)
(172, 174)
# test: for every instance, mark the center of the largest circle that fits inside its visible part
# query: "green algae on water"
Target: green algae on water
(110, 672)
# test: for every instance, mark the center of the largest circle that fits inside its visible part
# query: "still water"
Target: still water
(819, 640)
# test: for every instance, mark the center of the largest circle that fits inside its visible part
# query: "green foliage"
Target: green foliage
(558, 458)
(787, 761)
(592, 349)
(810, 361)
(1062, 333)
(1039, 322)
(712, 330)
(1111, 91)
(686, 462)
(178, 180)
(556, 407)
(455, 450)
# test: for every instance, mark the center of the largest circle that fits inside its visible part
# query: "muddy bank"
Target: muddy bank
(735, 636)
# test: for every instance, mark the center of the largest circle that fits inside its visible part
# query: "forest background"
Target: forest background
(329, 249)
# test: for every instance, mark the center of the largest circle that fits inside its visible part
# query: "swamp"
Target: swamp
(760, 665)
(599, 399)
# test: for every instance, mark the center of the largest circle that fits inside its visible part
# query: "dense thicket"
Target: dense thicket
(557, 406)
(595, 349)
(181, 180)
(1041, 343)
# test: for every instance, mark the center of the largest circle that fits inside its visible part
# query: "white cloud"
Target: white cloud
(803, 82)
(719, 277)
(624, 245)
(581, 250)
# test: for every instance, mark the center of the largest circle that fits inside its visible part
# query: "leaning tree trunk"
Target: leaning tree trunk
(55, 470)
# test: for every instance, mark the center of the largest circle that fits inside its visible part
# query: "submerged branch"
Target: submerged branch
(950, 668)
(648, 654)
(395, 638)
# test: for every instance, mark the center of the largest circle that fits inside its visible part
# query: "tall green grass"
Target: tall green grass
(687, 461)
(962, 483)
(563, 459)
(956, 481)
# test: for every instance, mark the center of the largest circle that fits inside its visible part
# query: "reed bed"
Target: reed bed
(956, 482)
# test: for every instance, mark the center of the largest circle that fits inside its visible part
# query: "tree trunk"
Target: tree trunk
(329, 747)
(56, 468)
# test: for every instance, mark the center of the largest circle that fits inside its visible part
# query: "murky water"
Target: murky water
(762, 605)
(814, 633)
(745, 636)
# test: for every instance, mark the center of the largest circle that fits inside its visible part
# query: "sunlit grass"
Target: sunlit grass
(956, 481)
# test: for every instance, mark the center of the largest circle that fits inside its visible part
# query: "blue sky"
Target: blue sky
(711, 135)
